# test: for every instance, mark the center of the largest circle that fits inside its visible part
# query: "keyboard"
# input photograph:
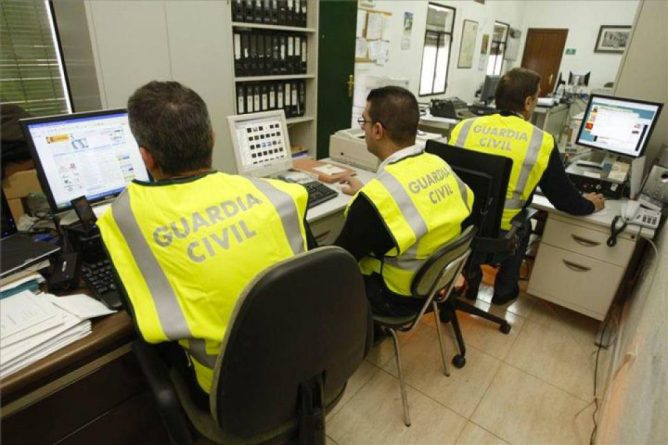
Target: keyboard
(99, 278)
(318, 193)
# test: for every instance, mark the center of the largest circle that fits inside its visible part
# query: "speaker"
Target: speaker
(663, 156)
(65, 273)
(656, 186)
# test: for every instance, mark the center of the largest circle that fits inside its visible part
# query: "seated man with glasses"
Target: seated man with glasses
(413, 206)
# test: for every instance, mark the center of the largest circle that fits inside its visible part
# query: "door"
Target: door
(336, 64)
(542, 53)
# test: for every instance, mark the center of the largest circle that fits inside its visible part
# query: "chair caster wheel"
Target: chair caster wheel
(505, 328)
(459, 361)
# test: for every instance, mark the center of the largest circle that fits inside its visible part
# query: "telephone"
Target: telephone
(453, 108)
(633, 213)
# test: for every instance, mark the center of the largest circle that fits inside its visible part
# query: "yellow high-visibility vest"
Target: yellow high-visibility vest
(512, 137)
(185, 250)
(422, 203)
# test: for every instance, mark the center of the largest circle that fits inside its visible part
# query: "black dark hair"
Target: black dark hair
(172, 122)
(514, 87)
(397, 111)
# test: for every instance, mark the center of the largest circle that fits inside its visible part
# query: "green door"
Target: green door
(336, 62)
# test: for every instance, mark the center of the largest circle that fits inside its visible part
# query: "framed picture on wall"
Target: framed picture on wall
(612, 39)
(467, 46)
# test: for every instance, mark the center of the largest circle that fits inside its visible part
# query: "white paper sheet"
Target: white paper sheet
(82, 306)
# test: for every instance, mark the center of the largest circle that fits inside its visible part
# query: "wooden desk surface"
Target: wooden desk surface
(107, 333)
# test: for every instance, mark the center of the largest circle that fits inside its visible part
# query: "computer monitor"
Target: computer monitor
(92, 154)
(261, 143)
(557, 84)
(578, 80)
(617, 125)
(488, 91)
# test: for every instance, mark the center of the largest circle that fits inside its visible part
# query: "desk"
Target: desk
(435, 124)
(326, 219)
(91, 391)
(574, 266)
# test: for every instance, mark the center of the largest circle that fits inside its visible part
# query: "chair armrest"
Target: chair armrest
(491, 246)
(169, 407)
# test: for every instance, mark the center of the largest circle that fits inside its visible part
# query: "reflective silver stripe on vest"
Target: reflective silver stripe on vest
(172, 320)
(406, 261)
(406, 205)
(516, 202)
(466, 126)
(462, 191)
(287, 211)
(197, 349)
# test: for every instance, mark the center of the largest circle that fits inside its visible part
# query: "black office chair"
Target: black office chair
(432, 283)
(487, 176)
(296, 335)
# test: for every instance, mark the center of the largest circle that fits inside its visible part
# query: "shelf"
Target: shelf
(298, 120)
(272, 27)
(274, 77)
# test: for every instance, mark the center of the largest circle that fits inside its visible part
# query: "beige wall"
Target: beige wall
(644, 70)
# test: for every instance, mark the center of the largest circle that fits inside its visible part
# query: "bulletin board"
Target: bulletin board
(373, 35)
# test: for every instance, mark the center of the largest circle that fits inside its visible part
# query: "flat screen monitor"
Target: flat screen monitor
(578, 80)
(92, 154)
(261, 143)
(620, 126)
(489, 88)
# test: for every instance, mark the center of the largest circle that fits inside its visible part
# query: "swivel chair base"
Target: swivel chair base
(448, 315)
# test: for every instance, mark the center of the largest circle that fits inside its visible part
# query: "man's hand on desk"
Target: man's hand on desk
(596, 199)
(350, 185)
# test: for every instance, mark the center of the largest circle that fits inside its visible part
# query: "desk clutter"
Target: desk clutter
(33, 326)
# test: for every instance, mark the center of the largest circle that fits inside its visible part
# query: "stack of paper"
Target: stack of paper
(33, 326)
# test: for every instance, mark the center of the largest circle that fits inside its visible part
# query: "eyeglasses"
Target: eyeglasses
(361, 121)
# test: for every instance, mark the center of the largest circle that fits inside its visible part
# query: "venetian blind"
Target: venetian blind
(31, 74)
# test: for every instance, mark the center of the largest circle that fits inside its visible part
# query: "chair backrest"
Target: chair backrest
(442, 267)
(487, 175)
(304, 317)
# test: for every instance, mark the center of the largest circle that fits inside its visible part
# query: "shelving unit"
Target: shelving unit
(302, 129)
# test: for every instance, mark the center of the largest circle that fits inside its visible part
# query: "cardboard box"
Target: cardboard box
(18, 186)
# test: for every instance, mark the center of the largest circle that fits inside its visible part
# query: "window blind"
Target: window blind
(31, 73)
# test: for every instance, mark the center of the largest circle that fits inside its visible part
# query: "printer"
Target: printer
(348, 147)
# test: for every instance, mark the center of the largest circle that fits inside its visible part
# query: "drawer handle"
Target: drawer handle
(584, 241)
(576, 267)
(322, 236)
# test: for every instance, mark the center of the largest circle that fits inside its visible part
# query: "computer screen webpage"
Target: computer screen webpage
(95, 156)
(260, 143)
(618, 125)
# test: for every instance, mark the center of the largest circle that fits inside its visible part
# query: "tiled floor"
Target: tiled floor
(533, 386)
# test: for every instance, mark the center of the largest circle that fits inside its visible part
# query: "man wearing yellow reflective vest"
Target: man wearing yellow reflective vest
(413, 206)
(186, 245)
(536, 162)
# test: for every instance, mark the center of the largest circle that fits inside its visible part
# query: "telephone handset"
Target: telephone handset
(633, 213)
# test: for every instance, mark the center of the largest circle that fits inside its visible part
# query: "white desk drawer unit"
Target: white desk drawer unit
(326, 230)
(576, 269)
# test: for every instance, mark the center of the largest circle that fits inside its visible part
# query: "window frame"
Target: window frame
(66, 103)
(439, 35)
(503, 44)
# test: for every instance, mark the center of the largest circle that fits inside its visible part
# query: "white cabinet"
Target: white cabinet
(191, 42)
(576, 269)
